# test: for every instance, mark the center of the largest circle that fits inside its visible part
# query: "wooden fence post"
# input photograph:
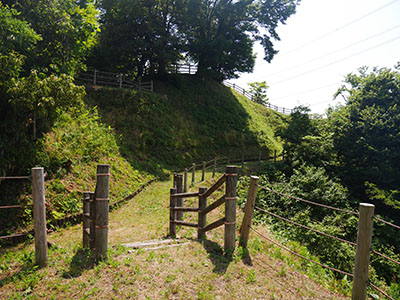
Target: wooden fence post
(248, 212)
(39, 216)
(283, 154)
(364, 237)
(172, 212)
(274, 155)
(230, 208)
(92, 221)
(152, 86)
(95, 77)
(86, 220)
(203, 171)
(215, 167)
(193, 172)
(102, 207)
(202, 217)
(185, 178)
(120, 80)
(179, 201)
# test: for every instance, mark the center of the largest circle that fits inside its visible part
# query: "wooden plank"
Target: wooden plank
(39, 216)
(214, 205)
(195, 209)
(364, 237)
(186, 195)
(183, 223)
(248, 212)
(85, 220)
(92, 225)
(230, 208)
(202, 217)
(215, 186)
(138, 245)
(179, 199)
(214, 225)
(102, 209)
(172, 213)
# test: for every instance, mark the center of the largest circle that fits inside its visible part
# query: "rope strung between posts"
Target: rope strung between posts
(15, 177)
(386, 222)
(384, 256)
(309, 202)
(380, 291)
(301, 256)
(15, 206)
(306, 227)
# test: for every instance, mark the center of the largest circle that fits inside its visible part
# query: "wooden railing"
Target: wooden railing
(96, 77)
(250, 96)
(229, 199)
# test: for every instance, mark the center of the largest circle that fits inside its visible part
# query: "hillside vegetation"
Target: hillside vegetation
(141, 135)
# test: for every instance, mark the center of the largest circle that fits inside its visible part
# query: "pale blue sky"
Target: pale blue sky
(321, 43)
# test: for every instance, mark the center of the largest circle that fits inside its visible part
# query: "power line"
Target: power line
(336, 61)
(308, 91)
(336, 51)
(341, 27)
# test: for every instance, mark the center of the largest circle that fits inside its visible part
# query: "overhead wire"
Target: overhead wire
(335, 51)
(336, 61)
(341, 27)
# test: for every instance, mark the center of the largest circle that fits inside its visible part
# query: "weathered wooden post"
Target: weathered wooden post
(185, 178)
(172, 212)
(120, 80)
(230, 208)
(274, 155)
(179, 201)
(364, 237)
(95, 77)
(215, 167)
(152, 86)
(248, 212)
(193, 172)
(92, 221)
(203, 171)
(86, 220)
(202, 217)
(102, 207)
(39, 216)
(283, 154)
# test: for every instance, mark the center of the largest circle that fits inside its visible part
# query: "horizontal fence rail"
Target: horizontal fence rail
(250, 96)
(101, 78)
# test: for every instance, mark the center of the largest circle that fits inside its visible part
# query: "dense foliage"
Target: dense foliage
(140, 37)
(351, 156)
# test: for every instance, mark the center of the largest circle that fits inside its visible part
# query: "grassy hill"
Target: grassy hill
(142, 136)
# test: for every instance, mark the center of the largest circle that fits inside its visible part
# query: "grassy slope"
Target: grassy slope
(187, 120)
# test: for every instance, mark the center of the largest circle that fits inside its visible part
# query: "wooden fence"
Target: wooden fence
(95, 214)
(39, 213)
(96, 77)
(250, 96)
(229, 199)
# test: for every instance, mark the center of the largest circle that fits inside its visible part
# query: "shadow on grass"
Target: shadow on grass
(217, 256)
(82, 260)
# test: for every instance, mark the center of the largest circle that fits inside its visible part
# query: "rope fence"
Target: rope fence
(380, 291)
(309, 202)
(306, 227)
(364, 236)
(299, 255)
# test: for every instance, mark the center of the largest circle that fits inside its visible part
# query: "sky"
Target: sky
(323, 42)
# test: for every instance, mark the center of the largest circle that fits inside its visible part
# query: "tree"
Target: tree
(67, 29)
(367, 130)
(259, 91)
(221, 33)
(140, 36)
